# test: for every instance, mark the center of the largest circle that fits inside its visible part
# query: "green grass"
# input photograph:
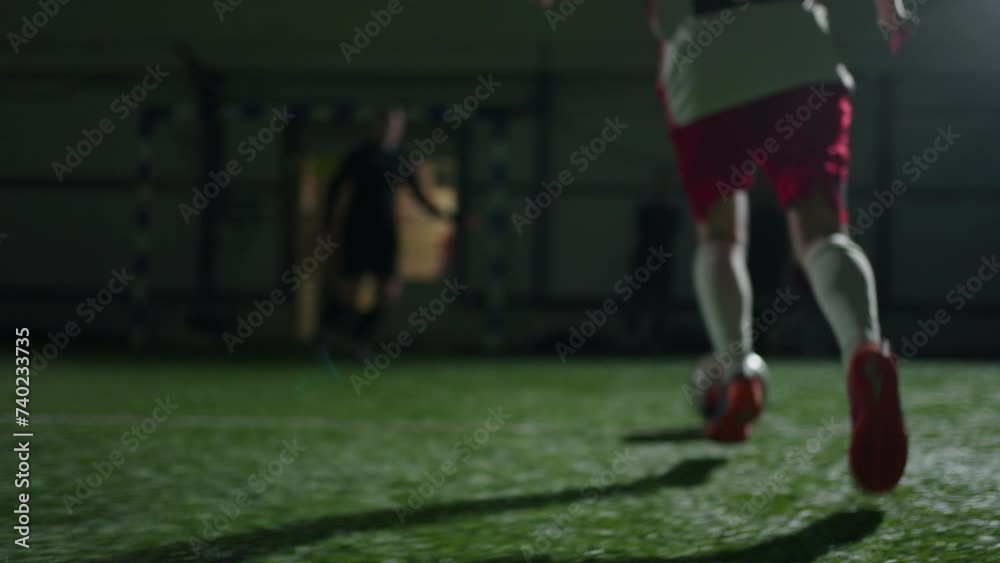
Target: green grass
(679, 499)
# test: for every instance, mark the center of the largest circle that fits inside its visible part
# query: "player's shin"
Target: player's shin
(843, 282)
(722, 287)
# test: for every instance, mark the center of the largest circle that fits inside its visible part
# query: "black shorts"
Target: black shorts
(370, 252)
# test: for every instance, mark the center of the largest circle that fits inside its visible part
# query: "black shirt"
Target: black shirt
(372, 203)
(372, 206)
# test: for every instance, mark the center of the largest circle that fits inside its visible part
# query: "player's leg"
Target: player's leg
(844, 285)
(843, 282)
(371, 313)
(340, 295)
(809, 173)
(725, 299)
(348, 293)
(706, 150)
(839, 272)
(381, 284)
(809, 170)
(721, 279)
(337, 313)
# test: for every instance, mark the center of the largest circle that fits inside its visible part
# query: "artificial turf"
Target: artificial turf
(596, 460)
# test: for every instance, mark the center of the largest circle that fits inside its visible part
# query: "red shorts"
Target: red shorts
(799, 138)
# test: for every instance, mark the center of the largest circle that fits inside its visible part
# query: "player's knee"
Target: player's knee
(813, 218)
(725, 221)
(818, 205)
(717, 232)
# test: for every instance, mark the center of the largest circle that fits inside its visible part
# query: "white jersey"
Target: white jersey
(720, 60)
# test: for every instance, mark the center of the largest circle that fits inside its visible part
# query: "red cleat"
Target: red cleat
(878, 438)
(740, 404)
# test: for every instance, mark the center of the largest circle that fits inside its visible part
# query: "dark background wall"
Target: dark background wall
(560, 84)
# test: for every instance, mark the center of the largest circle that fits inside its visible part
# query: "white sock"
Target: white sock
(722, 287)
(844, 284)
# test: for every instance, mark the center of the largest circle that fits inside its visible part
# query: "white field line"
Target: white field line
(267, 422)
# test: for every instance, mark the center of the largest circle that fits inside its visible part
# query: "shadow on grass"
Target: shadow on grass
(671, 435)
(256, 543)
(808, 544)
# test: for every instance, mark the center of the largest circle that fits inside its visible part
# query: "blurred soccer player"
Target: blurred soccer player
(752, 85)
(361, 213)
